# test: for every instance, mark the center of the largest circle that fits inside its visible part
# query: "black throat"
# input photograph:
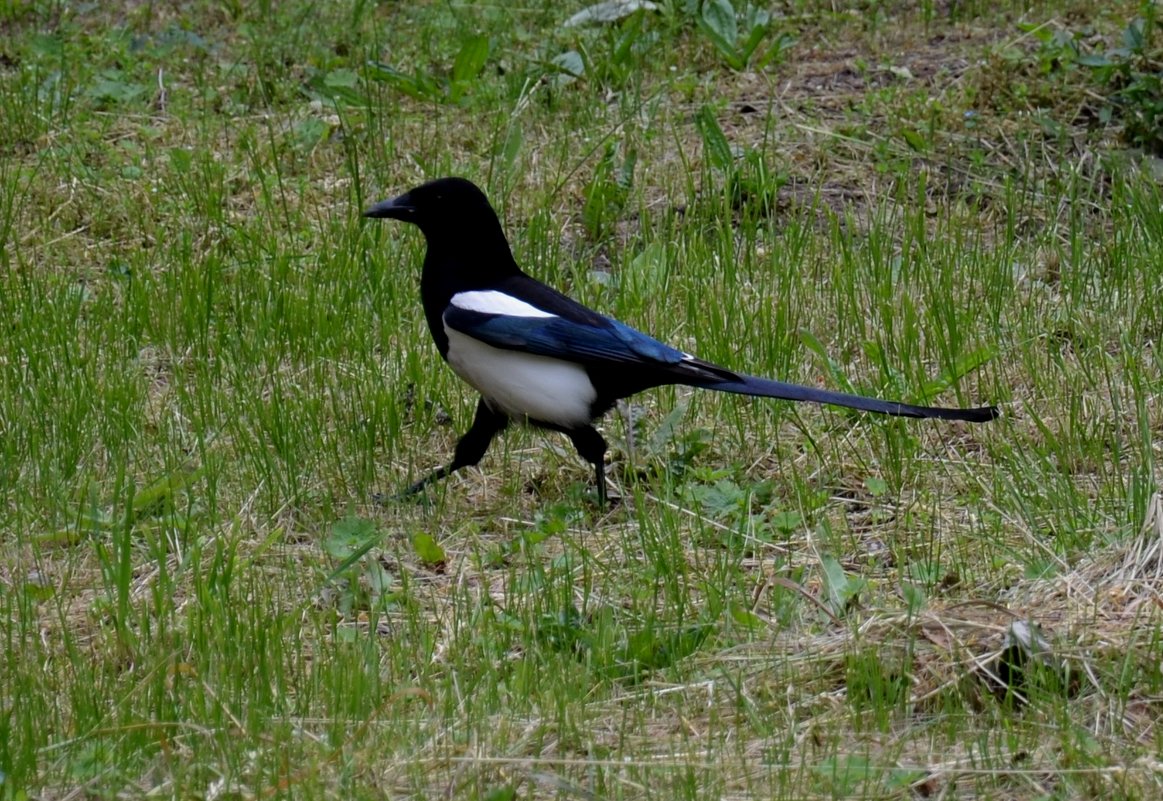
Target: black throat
(468, 258)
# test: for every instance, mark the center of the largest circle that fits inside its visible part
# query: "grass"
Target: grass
(209, 364)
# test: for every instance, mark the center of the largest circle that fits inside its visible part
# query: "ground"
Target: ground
(211, 367)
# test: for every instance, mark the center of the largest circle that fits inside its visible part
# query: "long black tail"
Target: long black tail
(767, 388)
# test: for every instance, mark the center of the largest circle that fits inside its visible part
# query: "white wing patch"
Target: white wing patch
(490, 301)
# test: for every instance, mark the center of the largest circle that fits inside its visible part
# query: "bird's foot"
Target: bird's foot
(414, 493)
(606, 501)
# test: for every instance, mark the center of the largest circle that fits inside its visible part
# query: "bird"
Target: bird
(537, 357)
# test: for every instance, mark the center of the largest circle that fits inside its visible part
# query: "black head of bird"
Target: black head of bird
(452, 213)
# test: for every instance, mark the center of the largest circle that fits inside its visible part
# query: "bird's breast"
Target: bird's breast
(524, 386)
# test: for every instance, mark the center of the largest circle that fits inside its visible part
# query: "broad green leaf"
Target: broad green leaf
(962, 366)
(647, 274)
(471, 59)
(351, 538)
(570, 63)
(759, 22)
(915, 140)
(378, 578)
(355, 556)
(309, 133)
(181, 159)
(347, 535)
(651, 649)
(38, 589)
(342, 78)
(62, 537)
(340, 85)
(551, 523)
(511, 147)
(719, 17)
(846, 773)
(631, 32)
(428, 550)
(624, 177)
(786, 522)
(725, 50)
(662, 436)
(1039, 30)
(1094, 60)
(562, 631)
(599, 195)
(111, 88)
(157, 497)
(776, 50)
(745, 617)
(719, 499)
(505, 793)
(715, 145)
(1133, 38)
(915, 597)
(418, 86)
(905, 778)
(842, 589)
(926, 571)
(387, 74)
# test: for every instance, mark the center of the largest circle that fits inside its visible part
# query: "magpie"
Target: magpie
(540, 358)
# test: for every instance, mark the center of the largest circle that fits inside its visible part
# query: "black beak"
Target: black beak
(398, 208)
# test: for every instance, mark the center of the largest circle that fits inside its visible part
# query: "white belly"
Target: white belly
(523, 385)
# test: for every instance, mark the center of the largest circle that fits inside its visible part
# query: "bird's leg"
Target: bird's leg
(592, 448)
(470, 447)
